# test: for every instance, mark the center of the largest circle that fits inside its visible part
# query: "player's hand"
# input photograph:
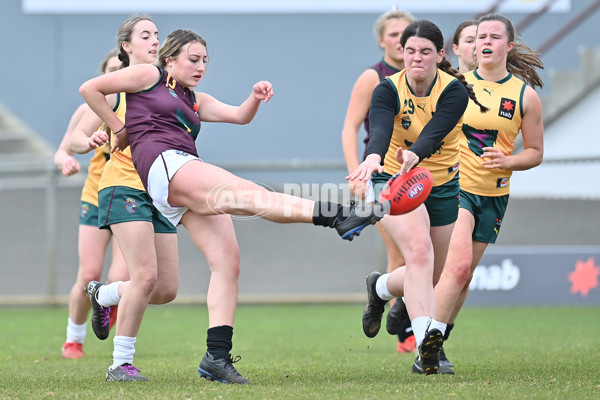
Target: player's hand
(66, 163)
(121, 141)
(493, 158)
(407, 158)
(70, 166)
(98, 138)
(365, 169)
(263, 90)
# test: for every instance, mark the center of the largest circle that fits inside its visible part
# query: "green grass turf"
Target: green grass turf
(310, 352)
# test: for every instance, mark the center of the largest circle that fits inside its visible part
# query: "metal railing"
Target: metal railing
(569, 26)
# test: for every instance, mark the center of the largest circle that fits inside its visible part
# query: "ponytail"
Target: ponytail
(447, 68)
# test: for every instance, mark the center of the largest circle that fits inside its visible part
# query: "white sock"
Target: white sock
(435, 324)
(75, 333)
(423, 324)
(381, 288)
(419, 326)
(108, 295)
(124, 348)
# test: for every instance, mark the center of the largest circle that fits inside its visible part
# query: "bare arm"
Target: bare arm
(360, 99)
(212, 110)
(63, 158)
(532, 129)
(86, 135)
(132, 79)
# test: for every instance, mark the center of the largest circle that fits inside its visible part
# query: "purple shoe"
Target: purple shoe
(100, 315)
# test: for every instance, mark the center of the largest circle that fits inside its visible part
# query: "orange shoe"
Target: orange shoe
(408, 346)
(112, 319)
(72, 350)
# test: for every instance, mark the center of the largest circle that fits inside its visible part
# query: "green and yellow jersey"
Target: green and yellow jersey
(119, 170)
(414, 114)
(498, 128)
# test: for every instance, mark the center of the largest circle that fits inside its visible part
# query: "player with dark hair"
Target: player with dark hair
(415, 118)
(388, 30)
(463, 45)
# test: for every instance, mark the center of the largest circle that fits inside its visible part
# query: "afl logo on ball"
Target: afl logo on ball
(416, 190)
(407, 192)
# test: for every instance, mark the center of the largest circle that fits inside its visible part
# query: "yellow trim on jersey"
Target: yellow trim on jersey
(119, 170)
(415, 112)
(498, 128)
(89, 193)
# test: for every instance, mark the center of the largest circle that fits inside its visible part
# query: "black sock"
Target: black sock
(326, 213)
(406, 330)
(218, 341)
(448, 329)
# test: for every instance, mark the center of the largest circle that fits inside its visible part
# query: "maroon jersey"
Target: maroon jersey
(383, 70)
(164, 117)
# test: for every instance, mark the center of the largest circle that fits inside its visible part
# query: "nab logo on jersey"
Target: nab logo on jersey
(507, 108)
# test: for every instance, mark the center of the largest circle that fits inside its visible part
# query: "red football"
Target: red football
(408, 191)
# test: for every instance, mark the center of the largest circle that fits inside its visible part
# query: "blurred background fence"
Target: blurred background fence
(551, 229)
(289, 263)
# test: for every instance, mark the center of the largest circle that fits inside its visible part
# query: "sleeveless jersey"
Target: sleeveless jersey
(497, 128)
(119, 170)
(415, 112)
(164, 117)
(384, 70)
(89, 193)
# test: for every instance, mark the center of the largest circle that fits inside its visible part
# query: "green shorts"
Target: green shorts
(123, 204)
(488, 213)
(441, 204)
(88, 214)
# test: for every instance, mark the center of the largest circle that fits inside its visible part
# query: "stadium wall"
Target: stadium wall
(547, 240)
(545, 254)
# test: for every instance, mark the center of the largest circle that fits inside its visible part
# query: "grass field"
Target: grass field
(310, 352)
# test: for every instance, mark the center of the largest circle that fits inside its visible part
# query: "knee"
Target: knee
(147, 283)
(170, 294)
(232, 264)
(421, 254)
(164, 293)
(228, 262)
(89, 273)
(461, 273)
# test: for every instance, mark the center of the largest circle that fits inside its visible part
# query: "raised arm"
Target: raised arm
(212, 110)
(132, 79)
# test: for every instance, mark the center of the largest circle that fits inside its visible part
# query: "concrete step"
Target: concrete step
(17, 137)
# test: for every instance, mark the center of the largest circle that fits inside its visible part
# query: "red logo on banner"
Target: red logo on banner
(585, 277)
